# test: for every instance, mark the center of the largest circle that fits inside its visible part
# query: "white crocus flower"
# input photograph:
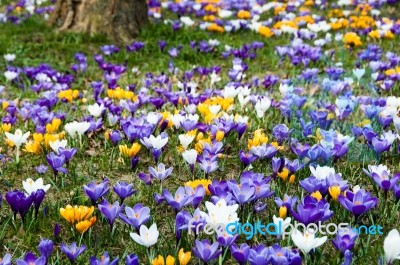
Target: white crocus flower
(230, 92)
(96, 110)
(55, 145)
(9, 57)
(281, 223)
(262, 105)
(396, 122)
(76, 128)
(389, 136)
(214, 42)
(186, 140)
(32, 186)
(391, 246)
(187, 21)
(241, 119)
(307, 242)
(147, 236)
(193, 117)
(221, 213)
(321, 172)
(214, 78)
(224, 13)
(10, 75)
(153, 117)
(190, 156)
(214, 109)
(356, 188)
(358, 73)
(18, 138)
(243, 101)
(393, 102)
(177, 119)
(112, 119)
(157, 142)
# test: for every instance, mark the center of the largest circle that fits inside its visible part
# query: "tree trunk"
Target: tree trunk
(120, 20)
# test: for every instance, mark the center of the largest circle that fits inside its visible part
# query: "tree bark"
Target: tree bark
(120, 20)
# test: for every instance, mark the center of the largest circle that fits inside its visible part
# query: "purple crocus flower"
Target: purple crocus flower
(136, 216)
(225, 239)
(240, 254)
(283, 255)
(181, 222)
(199, 220)
(110, 211)
(241, 129)
(196, 195)
(115, 136)
(288, 201)
(132, 259)
(264, 151)
(157, 102)
(46, 247)
(206, 251)
(72, 252)
(162, 44)
(277, 164)
(68, 153)
(246, 157)
(123, 190)
(41, 169)
(359, 202)
(95, 191)
(103, 260)
(146, 178)
(179, 200)
(310, 210)
(38, 197)
(242, 193)
(56, 230)
(258, 255)
(19, 202)
(30, 258)
(6, 260)
(396, 191)
(337, 180)
(134, 162)
(208, 165)
(159, 198)
(380, 145)
(57, 163)
(345, 240)
(160, 173)
(299, 149)
(281, 132)
(260, 183)
(312, 184)
(173, 52)
(348, 258)
(381, 175)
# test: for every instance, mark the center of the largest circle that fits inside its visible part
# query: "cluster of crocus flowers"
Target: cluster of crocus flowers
(80, 217)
